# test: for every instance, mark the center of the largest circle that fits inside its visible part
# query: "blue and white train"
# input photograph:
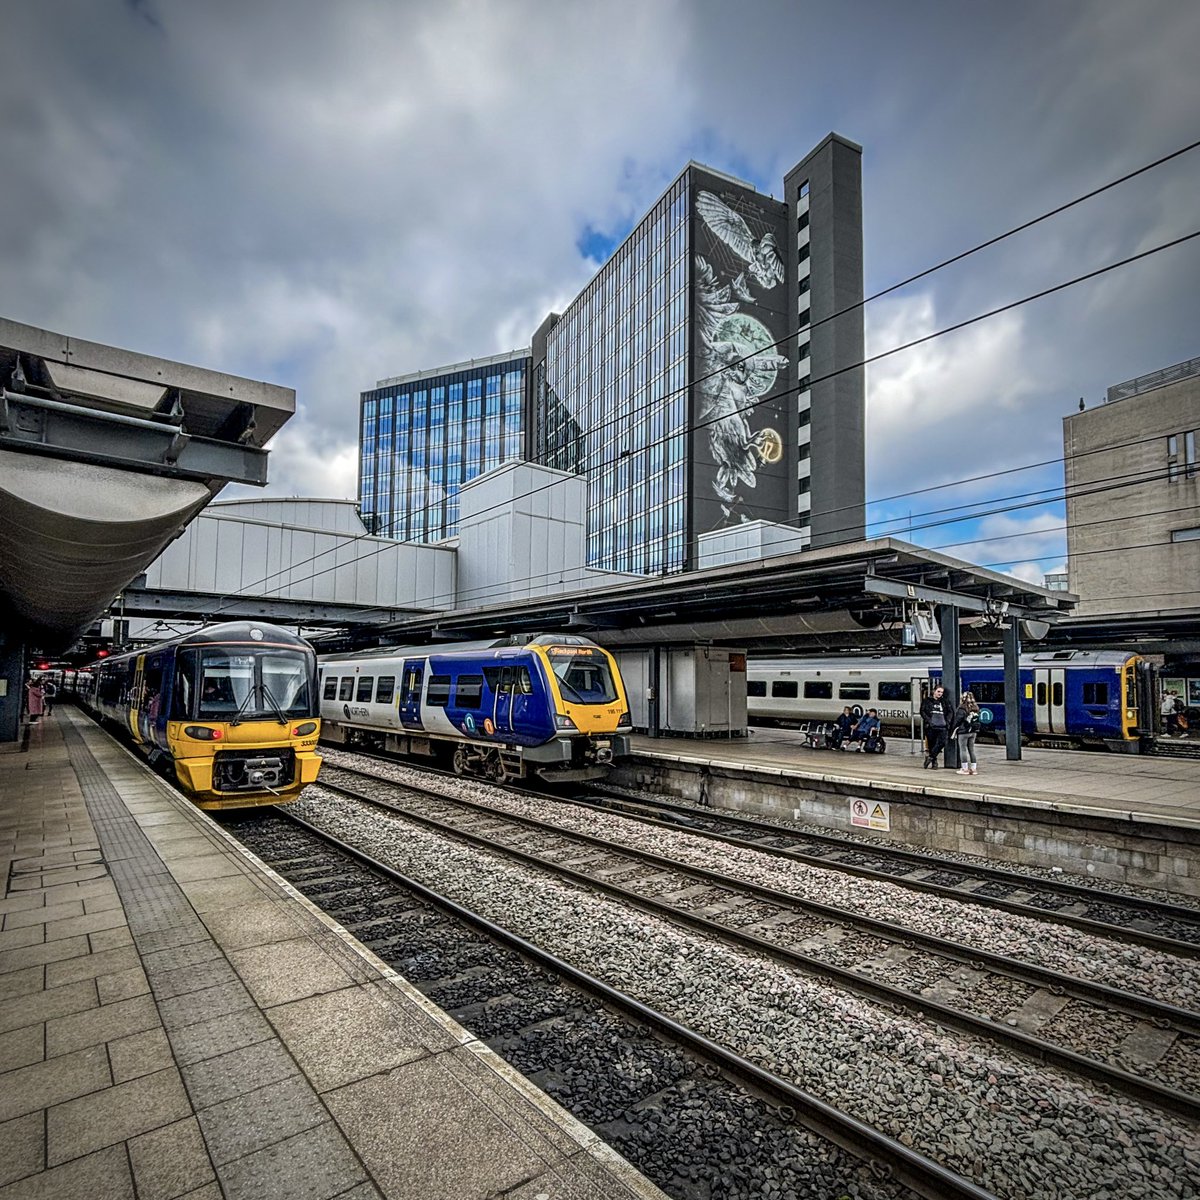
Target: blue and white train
(1068, 697)
(553, 706)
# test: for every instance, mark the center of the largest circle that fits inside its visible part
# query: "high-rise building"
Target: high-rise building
(1133, 497)
(422, 436)
(709, 374)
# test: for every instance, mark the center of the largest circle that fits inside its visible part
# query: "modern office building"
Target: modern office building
(704, 377)
(422, 436)
(1133, 497)
(708, 377)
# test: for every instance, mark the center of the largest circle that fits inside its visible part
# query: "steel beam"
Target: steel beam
(951, 677)
(37, 425)
(195, 605)
(896, 590)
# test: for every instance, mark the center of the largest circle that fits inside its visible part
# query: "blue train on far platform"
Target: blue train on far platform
(1068, 697)
(553, 706)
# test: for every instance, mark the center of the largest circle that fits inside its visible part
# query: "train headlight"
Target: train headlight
(303, 730)
(202, 733)
(623, 721)
(561, 722)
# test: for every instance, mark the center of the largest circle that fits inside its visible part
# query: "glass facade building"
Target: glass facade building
(611, 398)
(422, 436)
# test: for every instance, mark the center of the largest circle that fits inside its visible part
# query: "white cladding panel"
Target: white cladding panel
(227, 552)
(521, 533)
(746, 542)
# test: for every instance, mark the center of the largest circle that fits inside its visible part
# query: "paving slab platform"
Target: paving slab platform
(176, 1020)
(1123, 817)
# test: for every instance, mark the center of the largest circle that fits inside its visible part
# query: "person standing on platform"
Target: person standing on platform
(965, 727)
(49, 692)
(1169, 711)
(936, 713)
(35, 700)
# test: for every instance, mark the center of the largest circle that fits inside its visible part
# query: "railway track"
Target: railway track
(1138, 1046)
(692, 1115)
(1172, 928)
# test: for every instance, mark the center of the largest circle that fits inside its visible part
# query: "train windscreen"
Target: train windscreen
(252, 685)
(583, 674)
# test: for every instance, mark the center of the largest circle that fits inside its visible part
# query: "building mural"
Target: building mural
(741, 432)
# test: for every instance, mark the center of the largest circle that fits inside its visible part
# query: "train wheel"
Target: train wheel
(462, 765)
(493, 768)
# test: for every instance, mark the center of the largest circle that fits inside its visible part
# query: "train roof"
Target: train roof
(244, 633)
(514, 642)
(926, 662)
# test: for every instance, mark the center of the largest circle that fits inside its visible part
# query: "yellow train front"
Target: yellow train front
(231, 711)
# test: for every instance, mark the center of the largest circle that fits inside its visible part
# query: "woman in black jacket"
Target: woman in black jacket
(965, 727)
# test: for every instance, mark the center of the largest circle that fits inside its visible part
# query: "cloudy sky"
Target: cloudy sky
(322, 194)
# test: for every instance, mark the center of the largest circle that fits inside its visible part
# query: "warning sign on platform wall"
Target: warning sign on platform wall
(871, 814)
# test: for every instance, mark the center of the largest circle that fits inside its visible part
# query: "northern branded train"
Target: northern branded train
(229, 711)
(553, 706)
(1067, 697)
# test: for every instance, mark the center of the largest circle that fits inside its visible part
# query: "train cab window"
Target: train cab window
(1095, 693)
(184, 687)
(756, 687)
(366, 685)
(330, 692)
(583, 676)
(1056, 694)
(785, 689)
(438, 692)
(522, 681)
(854, 691)
(385, 689)
(895, 691)
(818, 689)
(346, 691)
(468, 691)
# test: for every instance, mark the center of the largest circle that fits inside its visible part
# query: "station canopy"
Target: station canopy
(105, 456)
(838, 599)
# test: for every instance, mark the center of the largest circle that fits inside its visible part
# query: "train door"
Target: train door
(1050, 700)
(502, 714)
(135, 697)
(410, 693)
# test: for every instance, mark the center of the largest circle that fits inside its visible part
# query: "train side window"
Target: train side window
(817, 689)
(468, 691)
(1095, 693)
(985, 692)
(347, 689)
(1041, 694)
(385, 689)
(895, 691)
(1056, 694)
(330, 692)
(785, 689)
(366, 685)
(437, 694)
(756, 687)
(854, 691)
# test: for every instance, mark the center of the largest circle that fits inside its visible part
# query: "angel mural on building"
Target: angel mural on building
(737, 360)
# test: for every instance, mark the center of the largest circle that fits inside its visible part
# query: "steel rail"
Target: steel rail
(1139, 937)
(900, 999)
(889, 1158)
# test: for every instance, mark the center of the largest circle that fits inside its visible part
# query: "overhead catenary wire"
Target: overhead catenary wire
(839, 371)
(1158, 162)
